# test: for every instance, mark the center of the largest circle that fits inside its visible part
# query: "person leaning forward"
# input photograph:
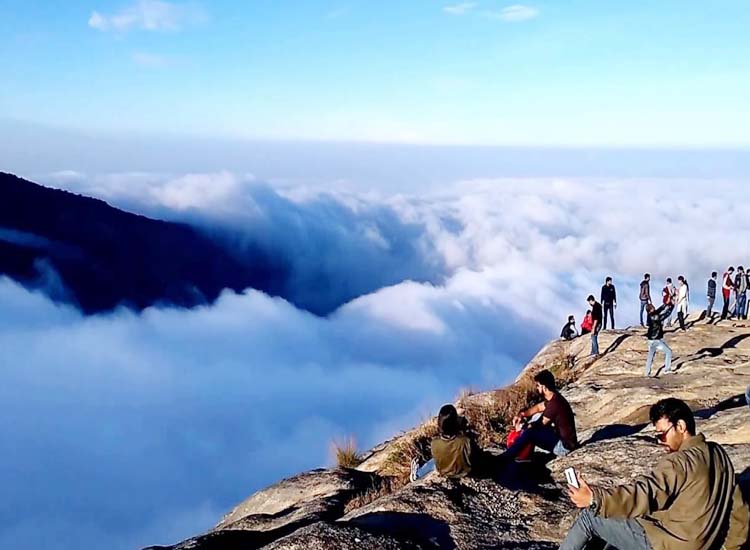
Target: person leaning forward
(689, 501)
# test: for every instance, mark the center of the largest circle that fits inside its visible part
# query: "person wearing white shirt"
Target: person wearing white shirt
(683, 297)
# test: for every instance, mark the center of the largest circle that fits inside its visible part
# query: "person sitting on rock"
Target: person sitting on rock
(455, 450)
(556, 431)
(569, 331)
(690, 500)
(587, 324)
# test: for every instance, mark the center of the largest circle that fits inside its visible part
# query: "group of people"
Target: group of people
(734, 292)
(690, 499)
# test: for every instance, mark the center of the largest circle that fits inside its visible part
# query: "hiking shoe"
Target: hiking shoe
(413, 469)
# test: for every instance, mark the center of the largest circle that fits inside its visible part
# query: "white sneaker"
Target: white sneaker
(414, 468)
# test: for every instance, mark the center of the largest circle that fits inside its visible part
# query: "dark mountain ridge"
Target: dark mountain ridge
(105, 257)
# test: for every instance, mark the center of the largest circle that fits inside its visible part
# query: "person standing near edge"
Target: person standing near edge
(669, 297)
(740, 290)
(609, 301)
(683, 298)
(645, 295)
(596, 316)
(726, 290)
(711, 295)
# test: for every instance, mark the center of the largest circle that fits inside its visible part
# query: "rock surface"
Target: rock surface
(524, 506)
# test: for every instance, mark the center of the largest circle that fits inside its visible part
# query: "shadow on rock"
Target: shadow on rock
(614, 431)
(426, 530)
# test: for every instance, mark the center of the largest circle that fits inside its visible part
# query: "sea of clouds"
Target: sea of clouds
(126, 429)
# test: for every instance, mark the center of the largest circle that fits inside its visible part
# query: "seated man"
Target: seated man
(454, 450)
(569, 331)
(690, 500)
(556, 431)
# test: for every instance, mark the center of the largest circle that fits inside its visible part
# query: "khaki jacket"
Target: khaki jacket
(453, 456)
(689, 501)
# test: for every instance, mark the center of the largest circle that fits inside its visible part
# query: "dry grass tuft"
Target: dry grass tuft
(346, 454)
(384, 487)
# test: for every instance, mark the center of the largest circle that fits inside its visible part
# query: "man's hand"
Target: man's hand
(582, 497)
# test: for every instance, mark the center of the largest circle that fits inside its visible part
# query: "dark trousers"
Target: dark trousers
(725, 310)
(681, 318)
(611, 309)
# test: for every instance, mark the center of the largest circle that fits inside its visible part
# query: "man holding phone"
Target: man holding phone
(690, 500)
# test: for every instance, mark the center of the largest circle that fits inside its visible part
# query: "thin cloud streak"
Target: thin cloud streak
(460, 9)
(514, 14)
(148, 15)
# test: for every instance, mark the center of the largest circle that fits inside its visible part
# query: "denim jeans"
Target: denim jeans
(644, 303)
(595, 343)
(739, 310)
(611, 309)
(710, 306)
(625, 534)
(660, 345)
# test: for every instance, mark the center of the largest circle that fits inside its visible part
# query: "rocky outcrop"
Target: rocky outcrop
(523, 505)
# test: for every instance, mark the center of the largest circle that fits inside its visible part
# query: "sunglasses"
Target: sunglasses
(662, 436)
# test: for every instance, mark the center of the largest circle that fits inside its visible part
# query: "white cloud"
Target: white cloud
(184, 400)
(514, 13)
(148, 15)
(460, 9)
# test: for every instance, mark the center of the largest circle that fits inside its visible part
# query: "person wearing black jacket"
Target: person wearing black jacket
(655, 336)
(569, 331)
(609, 301)
(596, 316)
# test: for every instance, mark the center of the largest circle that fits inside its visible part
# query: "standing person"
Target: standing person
(711, 295)
(645, 295)
(683, 298)
(669, 297)
(690, 500)
(726, 290)
(740, 290)
(596, 316)
(655, 336)
(609, 301)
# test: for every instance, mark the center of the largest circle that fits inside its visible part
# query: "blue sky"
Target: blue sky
(577, 73)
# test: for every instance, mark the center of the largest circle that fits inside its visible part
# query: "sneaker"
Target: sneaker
(414, 468)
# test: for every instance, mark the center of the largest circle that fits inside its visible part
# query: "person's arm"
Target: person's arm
(531, 411)
(739, 522)
(614, 296)
(645, 495)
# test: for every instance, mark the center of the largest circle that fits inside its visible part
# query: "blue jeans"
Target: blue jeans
(625, 534)
(739, 309)
(594, 343)
(644, 303)
(653, 347)
(542, 437)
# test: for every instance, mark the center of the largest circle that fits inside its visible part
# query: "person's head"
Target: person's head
(674, 422)
(740, 269)
(646, 276)
(591, 300)
(608, 281)
(731, 269)
(669, 280)
(650, 308)
(714, 274)
(448, 421)
(545, 381)
(588, 312)
(571, 319)
(681, 280)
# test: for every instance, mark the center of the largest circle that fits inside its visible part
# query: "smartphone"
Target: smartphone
(572, 478)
